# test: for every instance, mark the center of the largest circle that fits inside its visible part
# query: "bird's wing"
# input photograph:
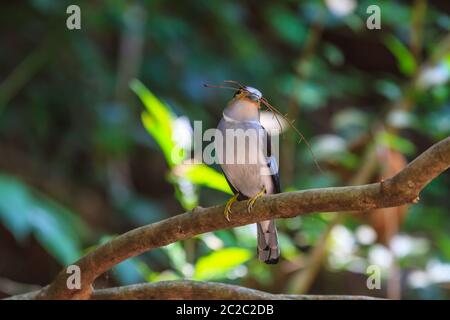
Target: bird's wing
(273, 165)
(267, 238)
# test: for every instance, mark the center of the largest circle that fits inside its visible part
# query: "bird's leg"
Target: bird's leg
(228, 206)
(251, 201)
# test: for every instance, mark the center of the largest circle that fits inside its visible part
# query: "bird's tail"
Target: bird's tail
(268, 249)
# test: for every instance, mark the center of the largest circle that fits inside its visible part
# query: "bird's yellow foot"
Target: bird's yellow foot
(230, 202)
(251, 201)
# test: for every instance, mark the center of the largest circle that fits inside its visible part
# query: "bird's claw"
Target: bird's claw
(230, 202)
(251, 201)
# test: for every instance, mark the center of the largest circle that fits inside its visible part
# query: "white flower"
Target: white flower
(434, 75)
(400, 119)
(380, 256)
(212, 241)
(366, 235)
(341, 8)
(342, 245)
(404, 245)
(418, 279)
(438, 272)
(328, 145)
(182, 132)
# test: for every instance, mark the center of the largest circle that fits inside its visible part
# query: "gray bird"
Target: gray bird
(249, 179)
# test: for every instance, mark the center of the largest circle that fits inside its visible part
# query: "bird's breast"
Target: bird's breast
(242, 155)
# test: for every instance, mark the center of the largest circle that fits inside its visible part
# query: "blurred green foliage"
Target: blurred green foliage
(24, 212)
(159, 121)
(219, 263)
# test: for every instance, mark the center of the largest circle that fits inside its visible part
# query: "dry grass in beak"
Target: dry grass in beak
(277, 113)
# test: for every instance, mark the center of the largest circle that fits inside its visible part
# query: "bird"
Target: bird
(249, 180)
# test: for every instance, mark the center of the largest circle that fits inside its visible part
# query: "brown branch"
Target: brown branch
(11, 287)
(195, 290)
(401, 189)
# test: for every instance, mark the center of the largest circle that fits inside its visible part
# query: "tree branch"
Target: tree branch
(195, 290)
(401, 189)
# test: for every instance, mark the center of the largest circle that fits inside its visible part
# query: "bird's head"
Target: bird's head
(242, 93)
(248, 93)
(245, 104)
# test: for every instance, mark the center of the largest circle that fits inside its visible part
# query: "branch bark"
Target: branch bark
(401, 189)
(195, 290)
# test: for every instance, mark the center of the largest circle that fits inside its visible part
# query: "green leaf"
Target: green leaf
(333, 54)
(313, 228)
(156, 109)
(289, 251)
(217, 264)
(177, 255)
(161, 139)
(185, 191)
(15, 205)
(405, 59)
(443, 242)
(141, 210)
(396, 142)
(167, 275)
(25, 212)
(446, 60)
(288, 25)
(131, 271)
(205, 176)
(158, 120)
(49, 231)
(311, 95)
(389, 89)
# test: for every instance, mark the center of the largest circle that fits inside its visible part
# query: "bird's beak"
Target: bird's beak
(253, 98)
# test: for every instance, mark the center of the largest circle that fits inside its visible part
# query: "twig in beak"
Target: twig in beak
(234, 82)
(219, 86)
(291, 124)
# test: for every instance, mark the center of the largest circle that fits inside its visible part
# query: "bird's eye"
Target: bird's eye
(238, 92)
